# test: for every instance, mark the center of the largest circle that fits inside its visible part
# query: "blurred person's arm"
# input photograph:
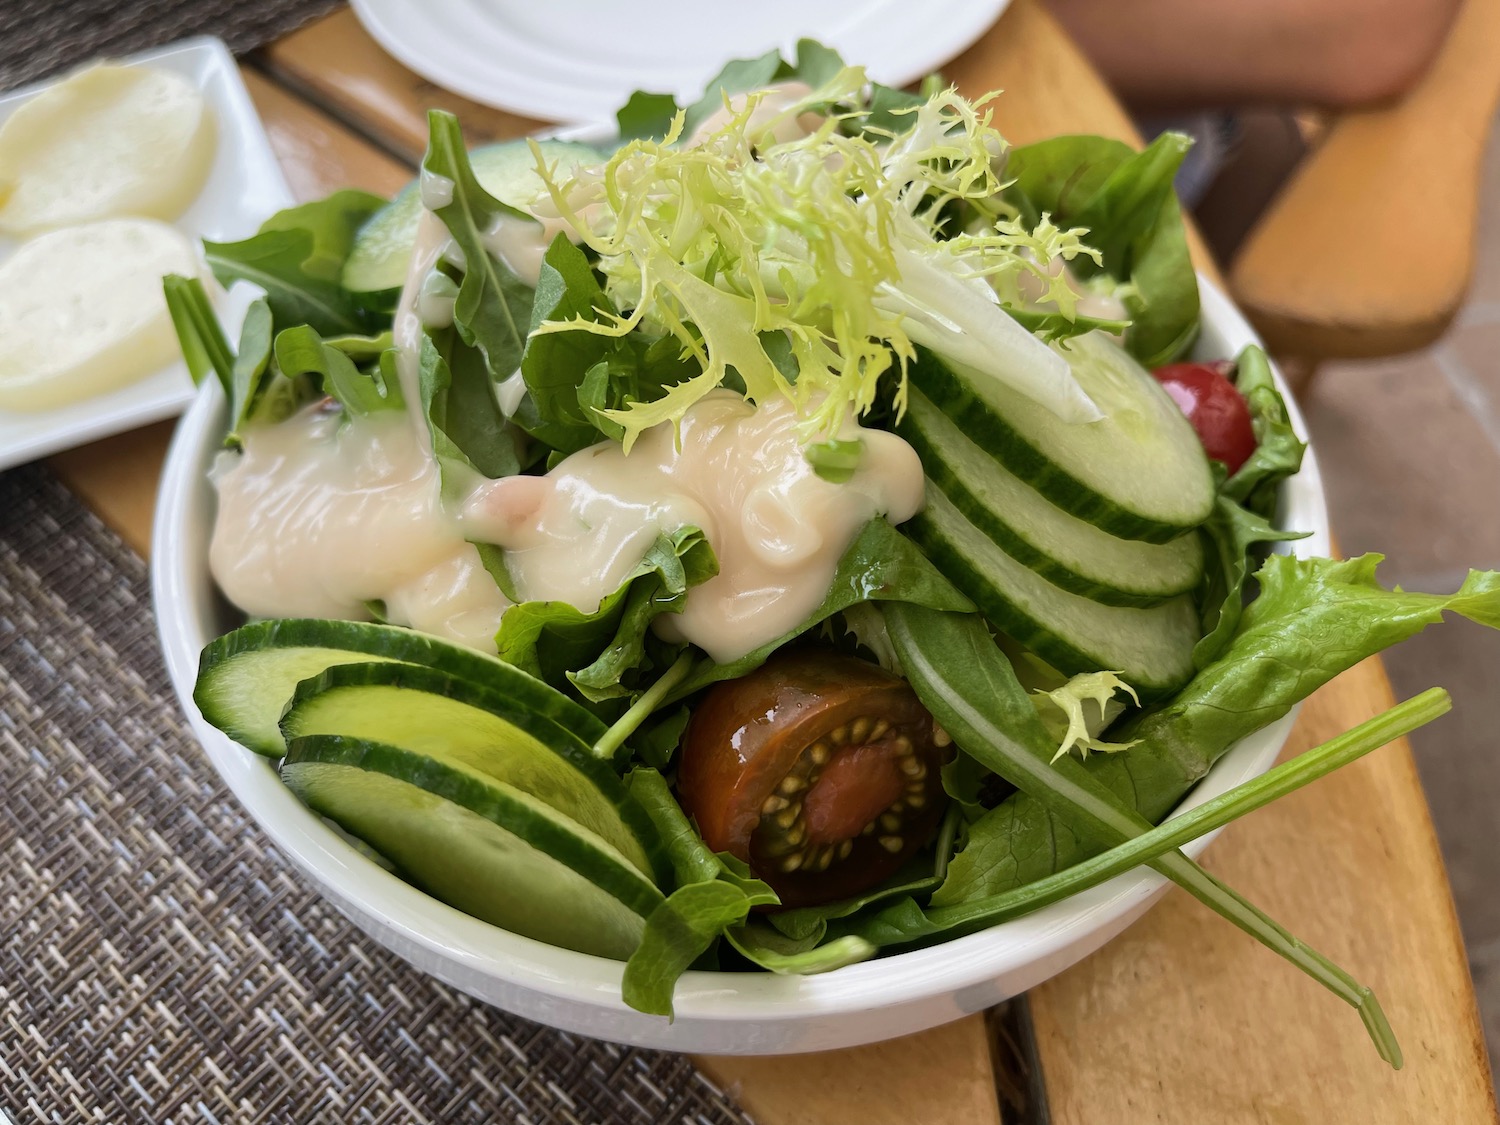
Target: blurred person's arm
(1336, 53)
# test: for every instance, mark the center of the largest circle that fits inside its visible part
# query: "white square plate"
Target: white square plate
(244, 186)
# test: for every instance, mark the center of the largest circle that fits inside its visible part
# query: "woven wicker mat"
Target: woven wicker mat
(159, 960)
(38, 37)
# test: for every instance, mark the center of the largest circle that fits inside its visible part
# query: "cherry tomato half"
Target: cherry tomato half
(1215, 408)
(818, 770)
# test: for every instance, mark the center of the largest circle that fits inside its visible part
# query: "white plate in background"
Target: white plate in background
(244, 186)
(578, 60)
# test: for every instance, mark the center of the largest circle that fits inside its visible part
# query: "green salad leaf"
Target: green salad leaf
(301, 352)
(1278, 449)
(493, 307)
(1125, 201)
(601, 652)
(470, 436)
(967, 683)
(297, 257)
(712, 894)
(1313, 619)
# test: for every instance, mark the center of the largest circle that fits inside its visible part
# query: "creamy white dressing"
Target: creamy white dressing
(320, 515)
(770, 114)
(777, 528)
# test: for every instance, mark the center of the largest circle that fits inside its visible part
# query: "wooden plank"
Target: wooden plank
(1185, 1019)
(1369, 248)
(943, 1075)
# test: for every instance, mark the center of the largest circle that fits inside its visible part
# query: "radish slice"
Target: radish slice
(110, 140)
(82, 311)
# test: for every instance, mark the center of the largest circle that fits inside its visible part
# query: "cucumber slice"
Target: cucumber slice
(246, 677)
(376, 266)
(1065, 550)
(476, 843)
(1151, 648)
(493, 731)
(1139, 473)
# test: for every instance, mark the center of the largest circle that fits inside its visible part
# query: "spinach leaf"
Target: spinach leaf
(880, 565)
(712, 893)
(598, 652)
(469, 434)
(1313, 619)
(297, 257)
(493, 307)
(1126, 200)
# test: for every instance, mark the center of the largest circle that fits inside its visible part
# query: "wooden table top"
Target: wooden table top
(1183, 1019)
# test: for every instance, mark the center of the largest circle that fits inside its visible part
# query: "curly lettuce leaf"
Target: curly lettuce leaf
(1069, 723)
(1126, 201)
(1313, 619)
(600, 653)
(830, 243)
(297, 257)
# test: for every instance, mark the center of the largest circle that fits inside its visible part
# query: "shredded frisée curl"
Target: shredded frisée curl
(832, 240)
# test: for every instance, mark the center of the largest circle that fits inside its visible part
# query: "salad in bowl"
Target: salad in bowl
(794, 532)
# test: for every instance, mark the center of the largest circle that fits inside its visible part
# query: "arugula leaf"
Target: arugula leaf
(494, 305)
(810, 923)
(199, 334)
(469, 434)
(880, 565)
(597, 652)
(1313, 619)
(1126, 201)
(297, 257)
(713, 893)
(300, 351)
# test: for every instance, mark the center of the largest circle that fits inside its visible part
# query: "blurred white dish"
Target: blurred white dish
(578, 60)
(717, 1013)
(243, 187)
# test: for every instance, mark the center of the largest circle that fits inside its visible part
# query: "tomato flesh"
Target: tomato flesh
(818, 770)
(1214, 406)
(857, 785)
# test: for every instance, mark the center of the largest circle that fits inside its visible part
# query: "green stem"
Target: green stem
(612, 739)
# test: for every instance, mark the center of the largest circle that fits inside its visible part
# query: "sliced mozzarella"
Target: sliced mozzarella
(110, 140)
(82, 311)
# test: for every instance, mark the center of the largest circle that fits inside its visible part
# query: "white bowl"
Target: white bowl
(717, 1013)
